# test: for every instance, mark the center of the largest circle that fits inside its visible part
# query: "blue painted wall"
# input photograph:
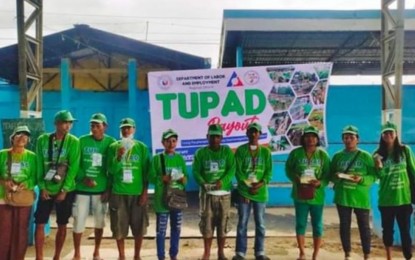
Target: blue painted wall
(358, 105)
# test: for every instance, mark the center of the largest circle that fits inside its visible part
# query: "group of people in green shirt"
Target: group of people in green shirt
(352, 172)
(97, 171)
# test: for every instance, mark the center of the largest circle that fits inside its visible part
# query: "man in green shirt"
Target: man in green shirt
(58, 157)
(92, 183)
(253, 173)
(352, 171)
(172, 176)
(129, 162)
(213, 170)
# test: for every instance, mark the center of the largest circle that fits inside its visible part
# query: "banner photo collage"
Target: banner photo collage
(283, 99)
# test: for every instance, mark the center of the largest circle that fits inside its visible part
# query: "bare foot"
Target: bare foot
(205, 257)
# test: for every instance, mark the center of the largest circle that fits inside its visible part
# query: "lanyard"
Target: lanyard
(254, 155)
(309, 158)
(52, 138)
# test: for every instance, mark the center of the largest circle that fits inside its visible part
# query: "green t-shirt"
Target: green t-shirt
(175, 166)
(210, 166)
(23, 169)
(296, 165)
(93, 163)
(348, 193)
(129, 176)
(258, 166)
(394, 188)
(70, 154)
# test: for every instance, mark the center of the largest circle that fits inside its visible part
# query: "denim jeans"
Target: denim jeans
(402, 214)
(244, 210)
(175, 228)
(362, 216)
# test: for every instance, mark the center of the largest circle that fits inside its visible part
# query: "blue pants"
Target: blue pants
(175, 228)
(244, 210)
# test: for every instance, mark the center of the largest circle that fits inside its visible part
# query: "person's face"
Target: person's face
(253, 135)
(98, 130)
(63, 127)
(310, 140)
(170, 144)
(20, 139)
(389, 137)
(127, 131)
(214, 141)
(350, 141)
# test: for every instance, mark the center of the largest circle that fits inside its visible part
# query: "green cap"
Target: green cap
(98, 118)
(167, 134)
(21, 128)
(256, 126)
(64, 116)
(350, 129)
(310, 130)
(389, 126)
(215, 129)
(127, 122)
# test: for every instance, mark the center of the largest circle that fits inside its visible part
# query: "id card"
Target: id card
(50, 174)
(15, 169)
(309, 172)
(214, 167)
(127, 176)
(96, 159)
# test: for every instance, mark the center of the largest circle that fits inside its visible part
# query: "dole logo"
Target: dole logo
(235, 81)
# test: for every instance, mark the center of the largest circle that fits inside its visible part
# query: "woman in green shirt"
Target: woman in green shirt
(308, 167)
(17, 172)
(394, 162)
(353, 173)
(173, 175)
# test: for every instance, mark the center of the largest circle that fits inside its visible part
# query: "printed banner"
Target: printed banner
(283, 99)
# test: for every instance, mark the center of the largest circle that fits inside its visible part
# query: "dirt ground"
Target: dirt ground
(275, 246)
(280, 242)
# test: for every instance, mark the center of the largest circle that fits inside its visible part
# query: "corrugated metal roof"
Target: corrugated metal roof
(83, 41)
(349, 39)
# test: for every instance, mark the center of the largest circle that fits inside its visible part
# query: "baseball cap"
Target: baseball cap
(167, 134)
(256, 126)
(310, 130)
(215, 129)
(64, 116)
(127, 122)
(98, 118)
(388, 126)
(350, 129)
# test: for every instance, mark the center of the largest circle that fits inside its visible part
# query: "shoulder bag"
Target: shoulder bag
(60, 167)
(174, 198)
(18, 198)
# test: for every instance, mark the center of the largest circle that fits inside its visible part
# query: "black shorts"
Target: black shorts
(63, 209)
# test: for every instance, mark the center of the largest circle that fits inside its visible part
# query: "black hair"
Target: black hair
(357, 136)
(302, 141)
(398, 150)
